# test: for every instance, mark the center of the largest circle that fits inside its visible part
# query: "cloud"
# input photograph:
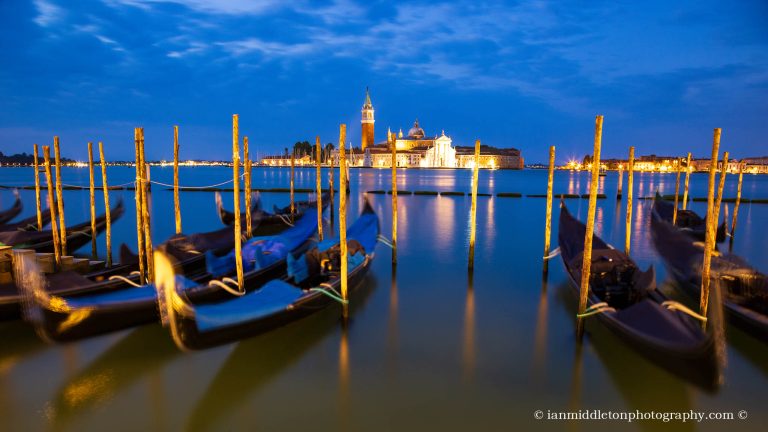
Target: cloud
(47, 13)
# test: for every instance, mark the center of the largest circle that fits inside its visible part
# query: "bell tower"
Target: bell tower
(367, 121)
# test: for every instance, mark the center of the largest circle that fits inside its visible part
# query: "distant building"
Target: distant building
(367, 121)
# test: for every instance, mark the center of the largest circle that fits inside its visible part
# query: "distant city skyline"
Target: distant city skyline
(526, 75)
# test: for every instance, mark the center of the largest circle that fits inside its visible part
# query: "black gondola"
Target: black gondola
(312, 284)
(7, 215)
(745, 290)
(625, 300)
(687, 220)
(27, 224)
(70, 317)
(77, 235)
(278, 217)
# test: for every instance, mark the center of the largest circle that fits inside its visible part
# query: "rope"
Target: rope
(124, 279)
(332, 294)
(197, 187)
(385, 241)
(676, 306)
(595, 309)
(133, 182)
(221, 284)
(285, 219)
(552, 254)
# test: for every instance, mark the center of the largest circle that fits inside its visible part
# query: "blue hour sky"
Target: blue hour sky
(525, 74)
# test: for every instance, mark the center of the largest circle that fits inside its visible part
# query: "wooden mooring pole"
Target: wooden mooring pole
(677, 192)
(711, 228)
(473, 208)
(392, 144)
(548, 220)
(236, 186)
(719, 197)
(60, 197)
(687, 180)
(52, 205)
(145, 215)
(738, 201)
(330, 185)
(293, 166)
(586, 263)
(107, 209)
(176, 202)
(94, 252)
(247, 184)
(319, 183)
(621, 180)
(343, 214)
(630, 186)
(37, 191)
(138, 194)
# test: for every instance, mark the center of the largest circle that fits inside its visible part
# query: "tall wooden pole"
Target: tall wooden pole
(709, 244)
(37, 191)
(52, 205)
(293, 163)
(677, 192)
(473, 208)
(319, 182)
(60, 197)
(719, 196)
(236, 184)
(107, 209)
(247, 178)
(738, 200)
(138, 194)
(548, 220)
(176, 202)
(148, 253)
(391, 139)
(621, 180)
(687, 180)
(586, 263)
(343, 212)
(94, 252)
(630, 186)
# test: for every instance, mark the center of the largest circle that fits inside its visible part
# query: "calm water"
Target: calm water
(427, 348)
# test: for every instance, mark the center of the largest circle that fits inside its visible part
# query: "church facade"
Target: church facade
(418, 150)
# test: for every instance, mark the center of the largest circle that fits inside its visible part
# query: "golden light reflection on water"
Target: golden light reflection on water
(490, 226)
(344, 392)
(89, 389)
(468, 350)
(392, 330)
(540, 337)
(445, 220)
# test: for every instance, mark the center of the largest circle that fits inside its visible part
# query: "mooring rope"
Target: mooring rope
(285, 219)
(223, 285)
(385, 241)
(677, 306)
(552, 254)
(324, 289)
(124, 279)
(595, 309)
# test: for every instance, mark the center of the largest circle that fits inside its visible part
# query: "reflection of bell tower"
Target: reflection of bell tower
(367, 121)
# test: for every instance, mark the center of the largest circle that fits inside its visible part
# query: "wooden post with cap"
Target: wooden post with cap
(319, 184)
(677, 192)
(586, 263)
(37, 191)
(687, 180)
(107, 209)
(738, 201)
(94, 252)
(630, 187)
(236, 176)
(60, 197)
(343, 214)
(548, 220)
(247, 183)
(711, 226)
(138, 194)
(392, 143)
(176, 202)
(52, 205)
(473, 208)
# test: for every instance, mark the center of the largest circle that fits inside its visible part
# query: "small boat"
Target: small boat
(77, 235)
(28, 224)
(278, 218)
(7, 215)
(626, 301)
(745, 289)
(312, 284)
(688, 221)
(84, 314)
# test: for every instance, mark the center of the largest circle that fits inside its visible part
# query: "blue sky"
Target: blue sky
(524, 74)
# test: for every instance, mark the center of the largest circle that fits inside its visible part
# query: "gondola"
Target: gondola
(80, 315)
(28, 224)
(745, 290)
(687, 220)
(626, 301)
(77, 235)
(312, 284)
(278, 217)
(7, 215)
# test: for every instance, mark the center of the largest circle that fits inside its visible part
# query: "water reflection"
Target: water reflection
(392, 330)
(445, 220)
(344, 391)
(540, 338)
(468, 345)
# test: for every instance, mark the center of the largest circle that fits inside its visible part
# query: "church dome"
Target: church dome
(416, 131)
